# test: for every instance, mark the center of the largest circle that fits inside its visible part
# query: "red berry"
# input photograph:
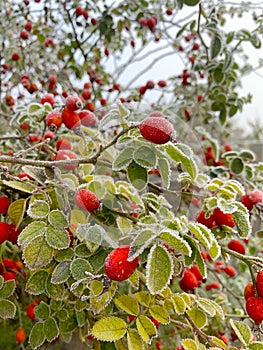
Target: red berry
(20, 335)
(157, 114)
(256, 196)
(162, 83)
(67, 155)
(15, 56)
(86, 200)
(150, 85)
(156, 322)
(246, 201)
(259, 283)
(158, 345)
(93, 21)
(4, 204)
(52, 79)
(79, 11)
(71, 118)
(13, 233)
(189, 281)
(117, 267)
(237, 246)
(143, 22)
(24, 35)
(49, 135)
(151, 23)
(249, 291)
(208, 222)
(49, 98)
(195, 46)
(230, 271)
(28, 26)
(73, 103)
(254, 307)
(169, 12)
(54, 118)
(63, 144)
(4, 231)
(142, 90)
(157, 130)
(9, 264)
(222, 218)
(197, 273)
(8, 275)
(87, 118)
(30, 311)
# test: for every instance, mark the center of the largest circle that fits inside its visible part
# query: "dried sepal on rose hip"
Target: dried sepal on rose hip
(156, 129)
(86, 200)
(117, 266)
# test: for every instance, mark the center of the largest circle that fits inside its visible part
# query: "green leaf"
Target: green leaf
(228, 61)
(37, 335)
(178, 304)
(57, 219)
(207, 306)
(197, 316)
(200, 263)
(242, 331)
(123, 160)
(144, 298)
(255, 346)
(101, 302)
(175, 241)
(216, 45)
(42, 310)
(38, 209)
(247, 155)
(2, 281)
(200, 233)
(159, 269)
(34, 108)
(215, 250)
(7, 289)
(54, 291)
(191, 2)
(128, 303)
(51, 329)
(20, 186)
(159, 313)
(30, 232)
(134, 340)
(145, 156)
(237, 166)
(37, 173)
(81, 318)
(242, 220)
(140, 242)
(165, 171)
(79, 267)
(146, 328)
(36, 284)
(37, 253)
(57, 238)
(181, 153)
(7, 309)
(61, 273)
(137, 175)
(16, 211)
(189, 344)
(91, 234)
(64, 255)
(109, 329)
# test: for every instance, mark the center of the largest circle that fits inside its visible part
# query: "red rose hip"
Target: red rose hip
(157, 130)
(254, 307)
(117, 266)
(86, 200)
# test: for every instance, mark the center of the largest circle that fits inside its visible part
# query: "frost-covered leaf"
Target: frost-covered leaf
(36, 283)
(236, 166)
(57, 238)
(54, 291)
(51, 329)
(197, 316)
(91, 235)
(178, 304)
(242, 220)
(201, 233)
(7, 289)
(30, 232)
(144, 298)
(128, 303)
(159, 313)
(37, 335)
(124, 224)
(140, 242)
(215, 250)
(57, 219)
(37, 253)
(61, 273)
(255, 346)
(42, 310)
(216, 45)
(37, 173)
(79, 267)
(109, 329)
(181, 153)
(146, 328)
(175, 241)
(123, 159)
(159, 269)
(99, 303)
(35, 109)
(145, 156)
(189, 344)
(137, 175)
(242, 331)
(7, 309)
(16, 211)
(165, 171)
(20, 186)
(38, 209)
(134, 341)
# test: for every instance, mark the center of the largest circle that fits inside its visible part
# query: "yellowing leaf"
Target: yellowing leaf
(109, 329)
(146, 328)
(128, 304)
(16, 211)
(134, 340)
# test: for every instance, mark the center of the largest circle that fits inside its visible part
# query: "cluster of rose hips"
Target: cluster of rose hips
(217, 218)
(251, 199)
(150, 85)
(150, 23)
(9, 269)
(254, 298)
(7, 231)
